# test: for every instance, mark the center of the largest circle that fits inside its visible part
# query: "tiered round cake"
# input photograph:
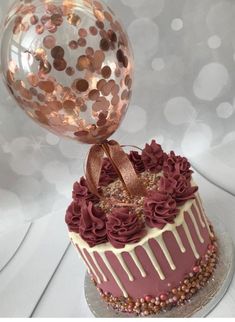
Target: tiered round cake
(146, 253)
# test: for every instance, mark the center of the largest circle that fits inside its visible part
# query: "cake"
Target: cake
(144, 253)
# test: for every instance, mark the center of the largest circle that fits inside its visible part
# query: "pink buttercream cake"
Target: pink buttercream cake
(146, 253)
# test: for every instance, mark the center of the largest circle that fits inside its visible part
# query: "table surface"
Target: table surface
(45, 276)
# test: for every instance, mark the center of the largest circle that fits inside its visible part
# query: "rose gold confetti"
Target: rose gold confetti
(115, 100)
(82, 32)
(99, 57)
(70, 71)
(83, 62)
(106, 72)
(104, 44)
(82, 42)
(101, 121)
(68, 105)
(100, 84)
(98, 5)
(99, 24)
(120, 55)
(32, 79)
(108, 16)
(99, 15)
(93, 30)
(46, 86)
(124, 95)
(101, 104)
(73, 19)
(49, 42)
(79, 101)
(33, 91)
(89, 51)
(83, 108)
(55, 105)
(59, 64)
(41, 97)
(73, 44)
(118, 72)
(41, 117)
(57, 52)
(112, 35)
(18, 84)
(40, 54)
(51, 27)
(106, 90)
(115, 90)
(44, 67)
(81, 133)
(39, 29)
(93, 95)
(125, 62)
(25, 93)
(82, 85)
(44, 19)
(57, 19)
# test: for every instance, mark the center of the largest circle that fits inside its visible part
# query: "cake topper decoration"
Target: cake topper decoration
(69, 66)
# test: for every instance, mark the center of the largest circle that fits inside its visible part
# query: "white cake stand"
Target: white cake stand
(201, 304)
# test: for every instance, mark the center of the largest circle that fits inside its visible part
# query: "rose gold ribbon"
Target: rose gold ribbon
(121, 164)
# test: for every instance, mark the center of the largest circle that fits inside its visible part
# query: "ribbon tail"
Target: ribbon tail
(93, 168)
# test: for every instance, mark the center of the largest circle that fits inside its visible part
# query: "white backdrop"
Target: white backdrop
(183, 96)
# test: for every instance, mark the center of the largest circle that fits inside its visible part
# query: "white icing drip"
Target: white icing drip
(203, 214)
(90, 267)
(117, 280)
(124, 266)
(195, 225)
(187, 232)
(199, 215)
(84, 258)
(98, 267)
(166, 252)
(153, 260)
(179, 241)
(137, 263)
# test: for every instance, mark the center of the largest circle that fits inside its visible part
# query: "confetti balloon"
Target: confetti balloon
(69, 66)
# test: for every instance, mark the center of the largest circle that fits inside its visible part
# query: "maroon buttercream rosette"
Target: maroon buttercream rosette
(72, 217)
(179, 187)
(92, 227)
(108, 173)
(124, 227)
(153, 157)
(159, 209)
(175, 164)
(137, 162)
(81, 192)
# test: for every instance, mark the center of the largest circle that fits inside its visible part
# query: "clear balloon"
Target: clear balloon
(68, 64)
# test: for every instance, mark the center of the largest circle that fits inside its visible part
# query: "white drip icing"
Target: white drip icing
(98, 267)
(117, 280)
(153, 260)
(137, 263)
(195, 226)
(203, 214)
(199, 215)
(178, 240)
(166, 252)
(124, 266)
(86, 261)
(187, 232)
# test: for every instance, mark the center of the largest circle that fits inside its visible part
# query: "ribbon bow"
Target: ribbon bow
(121, 164)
